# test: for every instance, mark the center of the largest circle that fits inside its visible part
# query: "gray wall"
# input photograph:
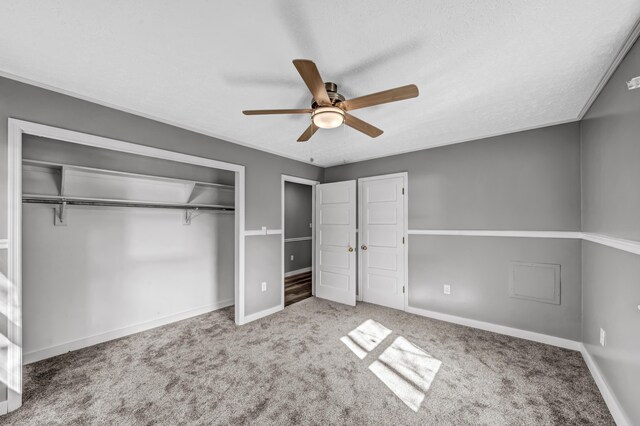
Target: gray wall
(611, 156)
(521, 181)
(302, 255)
(611, 295)
(478, 270)
(611, 206)
(263, 171)
(297, 210)
(297, 217)
(264, 268)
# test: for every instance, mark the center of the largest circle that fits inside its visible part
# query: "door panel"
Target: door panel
(382, 253)
(335, 259)
(383, 260)
(382, 283)
(383, 214)
(381, 238)
(336, 241)
(335, 215)
(334, 281)
(334, 237)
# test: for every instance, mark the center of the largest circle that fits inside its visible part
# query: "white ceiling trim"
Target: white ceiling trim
(633, 36)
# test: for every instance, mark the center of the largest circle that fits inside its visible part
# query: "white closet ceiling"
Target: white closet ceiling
(482, 67)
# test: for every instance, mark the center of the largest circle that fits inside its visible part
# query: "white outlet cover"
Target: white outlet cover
(291, 257)
(603, 337)
(447, 289)
(264, 286)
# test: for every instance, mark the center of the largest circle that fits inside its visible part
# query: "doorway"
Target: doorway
(298, 240)
(368, 264)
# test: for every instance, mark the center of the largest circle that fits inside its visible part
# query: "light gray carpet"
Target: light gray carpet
(292, 368)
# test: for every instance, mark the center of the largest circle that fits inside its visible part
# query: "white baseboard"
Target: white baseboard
(297, 271)
(609, 397)
(500, 329)
(49, 352)
(4, 407)
(262, 314)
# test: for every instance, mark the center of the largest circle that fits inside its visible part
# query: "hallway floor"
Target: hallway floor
(297, 287)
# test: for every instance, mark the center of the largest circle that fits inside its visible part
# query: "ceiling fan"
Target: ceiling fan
(329, 109)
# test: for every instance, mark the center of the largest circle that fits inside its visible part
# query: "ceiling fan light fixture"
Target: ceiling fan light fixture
(329, 109)
(327, 117)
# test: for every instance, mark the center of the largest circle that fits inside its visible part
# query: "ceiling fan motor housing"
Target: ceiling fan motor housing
(332, 91)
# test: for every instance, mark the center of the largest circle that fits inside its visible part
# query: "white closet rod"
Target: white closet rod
(84, 201)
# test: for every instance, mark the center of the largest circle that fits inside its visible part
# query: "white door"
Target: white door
(336, 242)
(382, 240)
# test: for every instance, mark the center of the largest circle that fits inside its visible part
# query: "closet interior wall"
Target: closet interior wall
(110, 270)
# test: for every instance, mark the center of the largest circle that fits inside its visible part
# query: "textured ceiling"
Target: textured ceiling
(482, 67)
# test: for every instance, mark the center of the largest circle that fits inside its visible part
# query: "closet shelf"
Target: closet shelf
(85, 201)
(105, 172)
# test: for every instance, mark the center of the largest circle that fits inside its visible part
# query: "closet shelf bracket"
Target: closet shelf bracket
(60, 214)
(189, 215)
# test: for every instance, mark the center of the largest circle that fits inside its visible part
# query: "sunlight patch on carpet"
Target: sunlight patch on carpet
(365, 338)
(407, 370)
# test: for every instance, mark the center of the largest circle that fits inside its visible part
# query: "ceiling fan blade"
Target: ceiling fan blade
(309, 73)
(386, 96)
(276, 111)
(362, 126)
(308, 133)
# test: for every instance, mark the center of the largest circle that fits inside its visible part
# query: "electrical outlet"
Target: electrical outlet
(603, 337)
(291, 257)
(447, 289)
(264, 286)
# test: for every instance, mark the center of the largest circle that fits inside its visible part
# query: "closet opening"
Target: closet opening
(114, 242)
(298, 242)
(110, 238)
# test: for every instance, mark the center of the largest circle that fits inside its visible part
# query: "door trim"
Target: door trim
(312, 184)
(405, 231)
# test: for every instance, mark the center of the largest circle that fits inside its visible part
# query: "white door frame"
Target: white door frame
(312, 183)
(13, 309)
(405, 178)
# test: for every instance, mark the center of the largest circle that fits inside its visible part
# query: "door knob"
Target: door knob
(350, 249)
(363, 247)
